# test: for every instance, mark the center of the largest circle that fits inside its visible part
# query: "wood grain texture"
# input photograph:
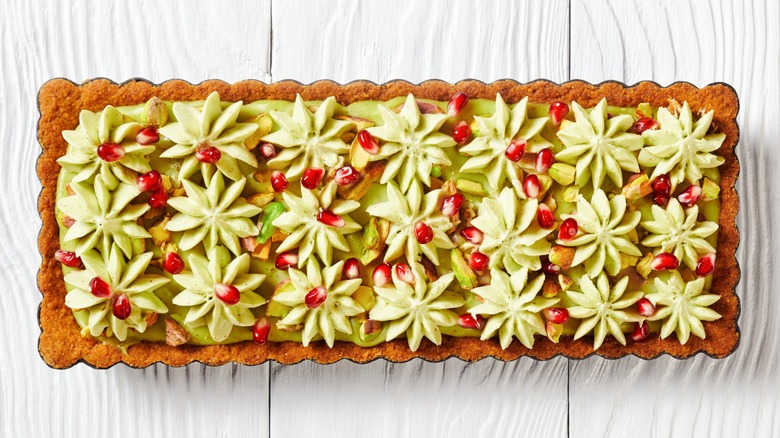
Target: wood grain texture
(739, 43)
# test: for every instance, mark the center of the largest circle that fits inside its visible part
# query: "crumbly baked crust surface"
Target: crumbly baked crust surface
(60, 101)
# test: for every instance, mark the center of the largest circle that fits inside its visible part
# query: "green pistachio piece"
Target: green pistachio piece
(554, 332)
(643, 266)
(365, 297)
(570, 194)
(562, 256)
(264, 125)
(471, 187)
(436, 171)
(709, 190)
(369, 329)
(156, 112)
(271, 212)
(463, 272)
(637, 187)
(562, 173)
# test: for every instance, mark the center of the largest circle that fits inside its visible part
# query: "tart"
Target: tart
(248, 222)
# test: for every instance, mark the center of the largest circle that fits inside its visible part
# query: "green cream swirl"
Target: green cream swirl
(682, 306)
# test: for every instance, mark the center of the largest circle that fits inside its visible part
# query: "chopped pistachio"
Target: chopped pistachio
(562, 173)
(554, 332)
(562, 256)
(463, 272)
(471, 187)
(264, 125)
(709, 190)
(637, 187)
(156, 112)
(643, 266)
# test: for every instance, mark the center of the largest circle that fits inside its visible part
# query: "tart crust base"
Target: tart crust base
(61, 344)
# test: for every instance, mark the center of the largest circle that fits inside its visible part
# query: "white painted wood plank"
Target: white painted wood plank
(736, 42)
(414, 40)
(118, 40)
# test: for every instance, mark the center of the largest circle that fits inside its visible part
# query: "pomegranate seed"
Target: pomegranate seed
(461, 132)
(706, 265)
(67, 258)
(228, 293)
(381, 275)
(545, 217)
(260, 330)
(315, 297)
(645, 307)
(662, 184)
(550, 268)
(569, 229)
(690, 196)
(556, 315)
(267, 151)
(660, 198)
(531, 186)
(279, 181)
(643, 124)
(351, 268)
(423, 232)
(158, 198)
(472, 234)
(641, 331)
(285, 260)
(451, 204)
(478, 261)
(558, 111)
(99, 288)
(149, 182)
(110, 152)
(208, 154)
(346, 175)
(514, 152)
(121, 307)
(312, 177)
(330, 218)
(664, 261)
(457, 103)
(404, 273)
(470, 321)
(147, 136)
(173, 263)
(544, 159)
(368, 142)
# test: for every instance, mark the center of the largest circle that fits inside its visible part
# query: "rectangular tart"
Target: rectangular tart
(250, 222)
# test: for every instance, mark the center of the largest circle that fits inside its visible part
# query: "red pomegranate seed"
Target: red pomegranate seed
(208, 154)
(279, 181)
(662, 184)
(558, 111)
(147, 136)
(472, 234)
(368, 142)
(158, 198)
(110, 152)
(346, 175)
(568, 230)
(550, 268)
(67, 258)
(645, 307)
(312, 177)
(351, 268)
(315, 297)
(461, 132)
(404, 273)
(478, 261)
(641, 331)
(267, 151)
(228, 293)
(423, 232)
(643, 124)
(285, 260)
(470, 321)
(173, 263)
(121, 307)
(457, 103)
(544, 159)
(706, 265)
(531, 186)
(149, 182)
(514, 152)
(99, 288)
(451, 204)
(381, 275)
(545, 217)
(330, 218)
(556, 315)
(260, 330)
(690, 196)
(660, 199)
(664, 261)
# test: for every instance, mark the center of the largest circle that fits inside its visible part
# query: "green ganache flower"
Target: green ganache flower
(685, 306)
(512, 237)
(213, 214)
(412, 144)
(404, 212)
(676, 231)
(602, 308)
(123, 279)
(417, 310)
(487, 150)
(306, 139)
(603, 226)
(681, 148)
(210, 127)
(308, 233)
(103, 217)
(106, 127)
(599, 146)
(200, 296)
(512, 305)
(332, 314)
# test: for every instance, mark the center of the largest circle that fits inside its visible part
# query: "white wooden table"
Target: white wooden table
(664, 40)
